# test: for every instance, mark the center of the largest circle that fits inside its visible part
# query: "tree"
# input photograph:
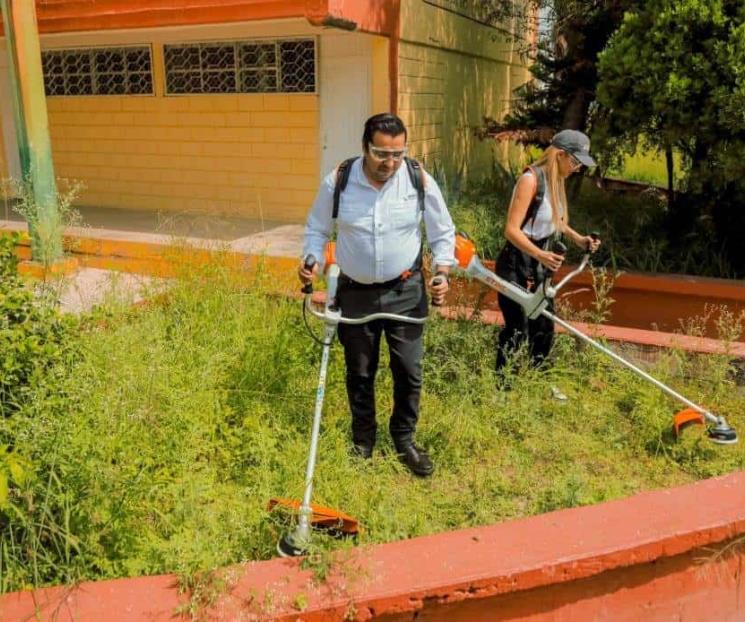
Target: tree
(565, 75)
(674, 74)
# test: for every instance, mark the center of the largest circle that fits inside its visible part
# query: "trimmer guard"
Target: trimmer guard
(322, 517)
(686, 418)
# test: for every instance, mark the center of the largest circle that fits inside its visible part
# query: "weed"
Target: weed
(157, 446)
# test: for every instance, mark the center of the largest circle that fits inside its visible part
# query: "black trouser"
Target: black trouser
(519, 268)
(362, 349)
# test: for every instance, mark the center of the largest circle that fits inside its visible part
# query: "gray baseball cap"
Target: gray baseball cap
(576, 143)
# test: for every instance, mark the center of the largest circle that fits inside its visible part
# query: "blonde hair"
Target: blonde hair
(555, 186)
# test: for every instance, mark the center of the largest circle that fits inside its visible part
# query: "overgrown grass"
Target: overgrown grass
(161, 443)
(632, 227)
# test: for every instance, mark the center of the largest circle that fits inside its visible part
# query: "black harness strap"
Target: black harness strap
(540, 192)
(416, 174)
(342, 178)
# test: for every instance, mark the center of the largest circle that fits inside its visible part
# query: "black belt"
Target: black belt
(348, 282)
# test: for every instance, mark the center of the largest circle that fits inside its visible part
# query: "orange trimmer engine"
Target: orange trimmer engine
(465, 249)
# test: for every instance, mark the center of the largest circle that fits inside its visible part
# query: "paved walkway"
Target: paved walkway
(247, 235)
(88, 286)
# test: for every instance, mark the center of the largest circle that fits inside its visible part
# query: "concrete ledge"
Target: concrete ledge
(623, 334)
(678, 550)
(641, 300)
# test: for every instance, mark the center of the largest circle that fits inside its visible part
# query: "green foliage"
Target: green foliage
(162, 440)
(673, 74)
(33, 336)
(482, 211)
(674, 66)
(46, 229)
(565, 69)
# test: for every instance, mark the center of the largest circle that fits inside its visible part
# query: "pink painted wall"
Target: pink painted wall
(674, 554)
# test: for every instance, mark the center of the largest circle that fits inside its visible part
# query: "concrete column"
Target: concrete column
(26, 79)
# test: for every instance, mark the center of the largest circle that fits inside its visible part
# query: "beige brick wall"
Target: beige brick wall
(252, 155)
(248, 155)
(453, 72)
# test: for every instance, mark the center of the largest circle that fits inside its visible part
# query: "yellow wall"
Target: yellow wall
(252, 155)
(381, 82)
(453, 72)
(3, 163)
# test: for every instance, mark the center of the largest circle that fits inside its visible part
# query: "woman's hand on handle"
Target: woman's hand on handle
(552, 261)
(590, 243)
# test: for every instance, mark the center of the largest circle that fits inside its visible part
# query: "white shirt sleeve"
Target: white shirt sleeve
(319, 225)
(439, 225)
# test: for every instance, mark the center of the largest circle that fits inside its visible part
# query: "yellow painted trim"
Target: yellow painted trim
(162, 260)
(381, 84)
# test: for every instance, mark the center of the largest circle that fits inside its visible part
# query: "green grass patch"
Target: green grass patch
(156, 447)
(632, 227)
(648, 166)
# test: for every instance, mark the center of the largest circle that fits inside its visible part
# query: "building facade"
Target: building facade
(239, 107)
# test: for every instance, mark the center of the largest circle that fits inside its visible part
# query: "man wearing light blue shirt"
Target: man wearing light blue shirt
(379, 252)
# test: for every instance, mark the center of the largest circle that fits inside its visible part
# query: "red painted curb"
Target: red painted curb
(641, 300)
(654, 338)
(425, 573)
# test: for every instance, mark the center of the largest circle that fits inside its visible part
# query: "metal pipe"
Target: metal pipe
(660, 385)
(305, 509)
(34, 143)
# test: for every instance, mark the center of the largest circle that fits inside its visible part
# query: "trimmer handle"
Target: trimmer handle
(595, 236)
(436, 281)
(308, 263)
(558, 247)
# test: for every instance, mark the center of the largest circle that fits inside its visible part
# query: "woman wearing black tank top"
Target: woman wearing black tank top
(538, 215)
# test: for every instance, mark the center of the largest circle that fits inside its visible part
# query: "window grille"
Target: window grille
(282, 66)
(98, 71)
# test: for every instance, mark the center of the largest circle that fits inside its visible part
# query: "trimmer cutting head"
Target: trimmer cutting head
(685, 419)
(333, 522)
(719, 432)
(722, 434)
(322, 517)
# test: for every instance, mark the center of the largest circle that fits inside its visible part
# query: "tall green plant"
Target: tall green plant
(672, 74)
(33, 335)
(47, 234)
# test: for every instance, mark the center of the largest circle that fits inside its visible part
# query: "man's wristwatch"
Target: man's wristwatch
(442, 274)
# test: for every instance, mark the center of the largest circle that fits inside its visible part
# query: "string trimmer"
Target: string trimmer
(311, 515)
(536, 303)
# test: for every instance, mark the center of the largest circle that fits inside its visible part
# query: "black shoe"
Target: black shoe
(416, 460)
(364, 452)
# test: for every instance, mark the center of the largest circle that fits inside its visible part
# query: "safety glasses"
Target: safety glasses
(576, 164)
(383, 154)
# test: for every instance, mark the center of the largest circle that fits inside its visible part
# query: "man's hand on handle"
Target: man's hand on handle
(307, 271)
(439, 286)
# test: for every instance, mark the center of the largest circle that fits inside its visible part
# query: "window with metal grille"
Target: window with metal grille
(281, 66)
(98, 71)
